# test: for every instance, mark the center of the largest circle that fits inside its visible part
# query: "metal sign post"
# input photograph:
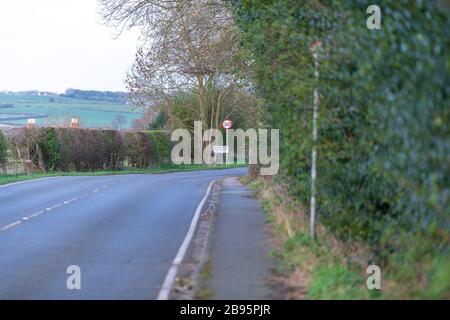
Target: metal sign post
(227, 124)
(312, 221)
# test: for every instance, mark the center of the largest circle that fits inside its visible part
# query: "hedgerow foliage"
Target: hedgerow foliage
(3, 149)
(49, 147)
(67, 149)
(161, 146)
(384, 140)
(137, 149)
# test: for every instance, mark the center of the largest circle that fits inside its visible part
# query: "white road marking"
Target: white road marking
(36, 214)
(71, 200)
(25, 181)
(164, 293)
(47, 209)
(54, 207)
(10, 225)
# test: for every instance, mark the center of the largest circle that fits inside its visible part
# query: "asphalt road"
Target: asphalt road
(122, 231)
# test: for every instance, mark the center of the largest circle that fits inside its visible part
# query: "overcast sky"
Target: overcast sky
(52, 45)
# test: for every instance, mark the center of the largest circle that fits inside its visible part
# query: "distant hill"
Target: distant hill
(94, 109)
(107, 96)
(116, 97)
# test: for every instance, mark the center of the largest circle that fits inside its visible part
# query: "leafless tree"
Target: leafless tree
(186, 46)
(142, 124)
(118, 121)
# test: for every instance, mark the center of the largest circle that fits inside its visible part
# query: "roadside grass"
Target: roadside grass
(166, 168)
(203, 292)
(328, 268)
(310, 269)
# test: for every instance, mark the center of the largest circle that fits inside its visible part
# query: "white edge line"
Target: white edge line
(172, 273)
(25, 181)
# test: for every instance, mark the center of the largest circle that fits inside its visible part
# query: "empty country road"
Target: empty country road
(122, 231)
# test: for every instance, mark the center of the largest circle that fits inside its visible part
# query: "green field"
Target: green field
(60, 109)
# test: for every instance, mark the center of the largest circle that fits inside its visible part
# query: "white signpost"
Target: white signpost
(312, 219)
(226, 124)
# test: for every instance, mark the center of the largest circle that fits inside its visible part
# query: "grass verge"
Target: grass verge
(328, 268)
(310, 269)
(203, 292)
(10, 178)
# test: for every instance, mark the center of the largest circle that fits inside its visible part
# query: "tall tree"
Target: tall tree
(187, 47)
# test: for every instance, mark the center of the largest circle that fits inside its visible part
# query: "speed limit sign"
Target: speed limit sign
(227, 124)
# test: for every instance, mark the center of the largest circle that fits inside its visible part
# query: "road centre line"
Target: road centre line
(26, 218)
(36, 214)
(71, 200)
(11, 225)
(54, 207)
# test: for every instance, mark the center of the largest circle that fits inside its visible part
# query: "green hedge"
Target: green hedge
(67, 149)
(3, 150)
(49, 146)
(160, 144)
(384, 140)
(137, 149)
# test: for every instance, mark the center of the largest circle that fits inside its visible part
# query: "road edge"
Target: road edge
(169, 280)
(25, 181)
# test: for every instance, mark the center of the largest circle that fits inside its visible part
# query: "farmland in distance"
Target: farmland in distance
(55, 109)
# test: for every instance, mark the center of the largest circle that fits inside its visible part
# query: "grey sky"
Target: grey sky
(57, 44)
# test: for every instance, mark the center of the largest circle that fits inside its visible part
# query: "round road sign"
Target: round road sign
(227, 124)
